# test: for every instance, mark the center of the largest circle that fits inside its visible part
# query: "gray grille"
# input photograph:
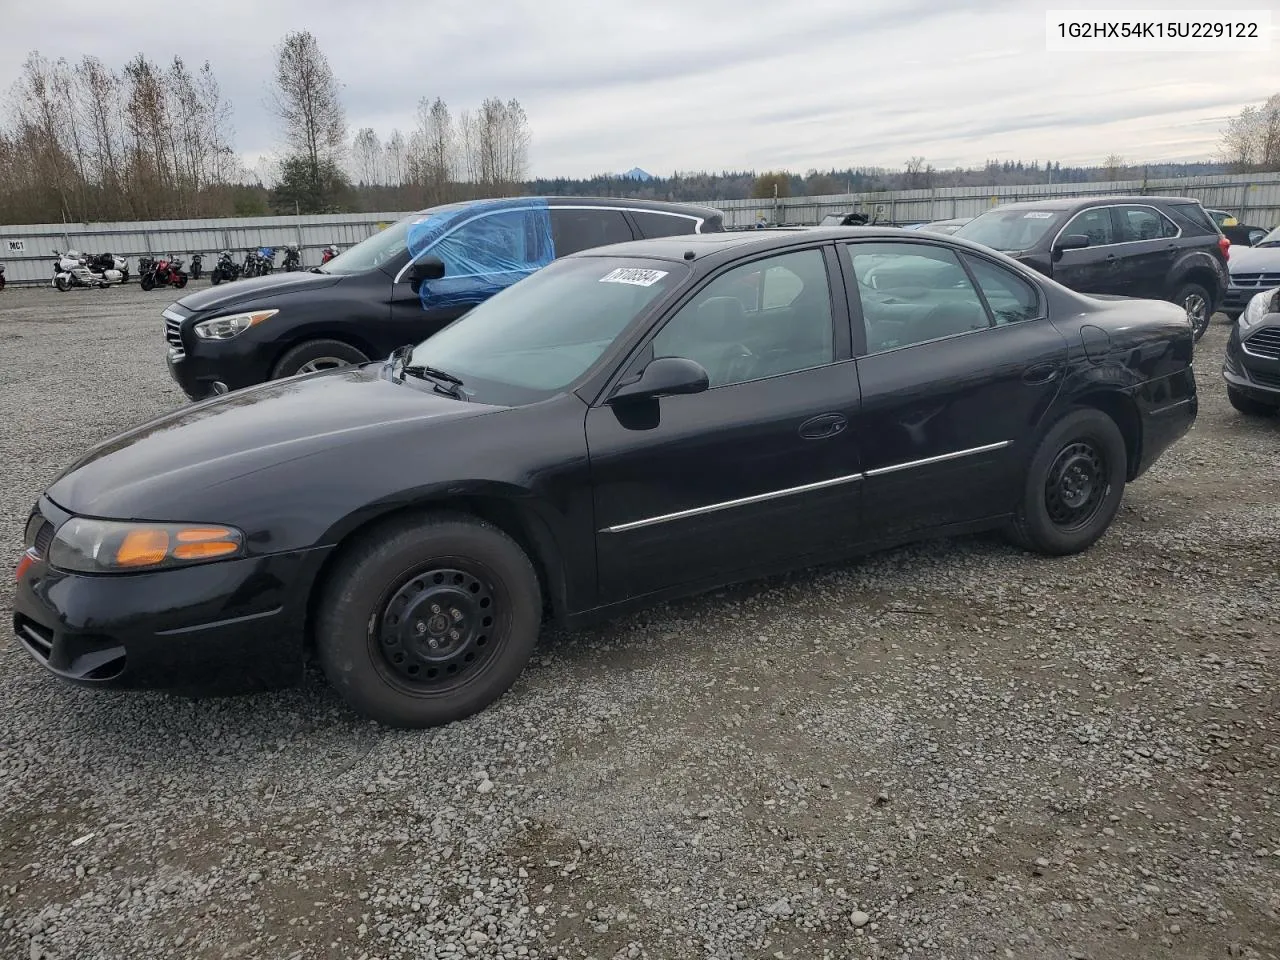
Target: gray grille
(173, 336)
(1264, 343)
(1256, 281)
(1265, 379)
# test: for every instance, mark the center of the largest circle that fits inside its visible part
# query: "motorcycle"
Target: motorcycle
(1, 276)
(109, 261)
(252, 265)
(197, 263)
(225, 269)
(164, 272)
(292, 259)
(328, 253)
(267, 260)
(71, 269)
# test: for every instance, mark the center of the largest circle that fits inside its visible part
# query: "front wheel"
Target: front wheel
(1249, 406)
(428, 621)
(62, 283)
(316, 355)
(180, 281)
(147, 281)
(1073, 486)
(1195, 300)
(216, 277)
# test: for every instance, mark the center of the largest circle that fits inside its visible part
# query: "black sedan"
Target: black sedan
(624, 426)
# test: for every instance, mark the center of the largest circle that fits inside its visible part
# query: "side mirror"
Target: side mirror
(428, 268)
(664, 377)
(1072, 241)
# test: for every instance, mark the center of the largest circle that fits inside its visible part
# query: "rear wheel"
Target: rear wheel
(180, 281)
(428, 621)
(316, 355)
(1074, 485)
(1249, 406)
(216, 277)
(1195, 300)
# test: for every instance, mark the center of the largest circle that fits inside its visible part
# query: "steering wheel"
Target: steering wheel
(736, 362)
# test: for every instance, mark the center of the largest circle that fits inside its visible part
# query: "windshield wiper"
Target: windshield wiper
(446, 383)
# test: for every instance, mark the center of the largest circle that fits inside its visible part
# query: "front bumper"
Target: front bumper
(229, 626)
(1253, 375)
(196, 369)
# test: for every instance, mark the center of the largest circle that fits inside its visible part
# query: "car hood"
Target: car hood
(237, 292)
(141, 474)
(1253, 259)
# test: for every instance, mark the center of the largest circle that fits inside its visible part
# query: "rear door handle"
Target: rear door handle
(1042, 373)
(823, 426)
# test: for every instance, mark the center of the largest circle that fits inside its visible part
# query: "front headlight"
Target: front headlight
(224, 328)
(1262, 304)
(83, 545)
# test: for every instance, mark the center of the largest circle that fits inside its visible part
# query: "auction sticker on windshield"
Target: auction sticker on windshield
(1038, 215)
(635, 276)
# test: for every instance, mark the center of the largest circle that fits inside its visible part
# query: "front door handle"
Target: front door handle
(1042, 373)
(823, 426)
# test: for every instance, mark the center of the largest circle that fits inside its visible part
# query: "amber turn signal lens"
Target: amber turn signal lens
(143, 548)
(205, 543)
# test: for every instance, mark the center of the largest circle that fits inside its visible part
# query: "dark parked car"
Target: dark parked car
(947, 227)
(1240, 234)
(1161, 248)
(626, 425)
(1253, 269)
(1252, 364)
(370, 298)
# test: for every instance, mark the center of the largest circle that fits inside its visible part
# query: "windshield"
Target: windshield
(541, 334)
(1010, 229)
(1272, 239)
(373, 252)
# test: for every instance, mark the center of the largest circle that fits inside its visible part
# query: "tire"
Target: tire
(1082, 455)
(317, 355)
(1198, 304)
(124, 276)
(147, 281)
(180, 281)
(216, 277)
(62, 284)
(1249, 406)
(393, 593)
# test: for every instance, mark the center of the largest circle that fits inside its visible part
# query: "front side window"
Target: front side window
(575, 230)
(1095, 224)
(763, 319)
(653, 224)
(912, 293)
(1142, 223)
(497, 243)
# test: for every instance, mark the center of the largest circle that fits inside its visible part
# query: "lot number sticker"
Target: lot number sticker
(634, 276)
(1038, 215)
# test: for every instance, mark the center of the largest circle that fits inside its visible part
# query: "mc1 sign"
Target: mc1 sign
(17, 246)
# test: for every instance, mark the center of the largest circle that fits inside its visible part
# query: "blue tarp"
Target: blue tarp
(486, 246)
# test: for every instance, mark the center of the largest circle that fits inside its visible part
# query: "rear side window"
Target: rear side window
(1196, 214)
(654, 224)
(1011, 298)
(574, 230)
(1094, 224)
(1142, 223)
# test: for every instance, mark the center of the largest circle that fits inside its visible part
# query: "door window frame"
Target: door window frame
(630, 213)
(857, 320)
(842, 347)
(1111, 208)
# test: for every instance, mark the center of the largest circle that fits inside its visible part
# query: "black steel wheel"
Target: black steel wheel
(1074, 484)
(427, 620)
(440, 626)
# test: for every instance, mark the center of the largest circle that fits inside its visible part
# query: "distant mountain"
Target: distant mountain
(635, 173)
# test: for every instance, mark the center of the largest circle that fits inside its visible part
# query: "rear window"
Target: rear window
(1196, 214)
(653, 224)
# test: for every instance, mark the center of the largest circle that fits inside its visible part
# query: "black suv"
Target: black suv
(1252, 364)
(399, 286)
(1156, 248)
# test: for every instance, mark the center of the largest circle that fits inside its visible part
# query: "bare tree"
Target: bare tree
(1114, 165)
(308, 103)
(367, 150)
(1251, 140)
(396, 161)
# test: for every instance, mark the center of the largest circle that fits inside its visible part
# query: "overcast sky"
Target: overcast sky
(701, 84)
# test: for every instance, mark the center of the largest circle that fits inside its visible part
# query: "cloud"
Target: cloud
(713, 84)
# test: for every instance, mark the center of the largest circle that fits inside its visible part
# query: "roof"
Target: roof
(1070, 203)
(703, 245)
(689, 209)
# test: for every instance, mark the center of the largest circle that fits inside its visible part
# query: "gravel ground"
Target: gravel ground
(951, 750)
